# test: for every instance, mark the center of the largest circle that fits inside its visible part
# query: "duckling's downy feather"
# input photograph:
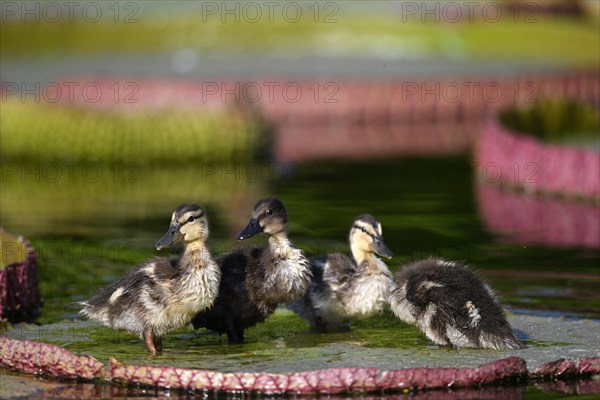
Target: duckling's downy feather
(451, 305)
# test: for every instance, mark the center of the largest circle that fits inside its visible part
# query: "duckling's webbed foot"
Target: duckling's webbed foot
(153, 344)
(235, 334)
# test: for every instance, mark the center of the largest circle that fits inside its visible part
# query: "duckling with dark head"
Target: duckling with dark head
(162, 294)
(256, 280)
(343, 287)
(451, 305)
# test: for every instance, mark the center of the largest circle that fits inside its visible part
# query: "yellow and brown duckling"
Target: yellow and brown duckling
(256, 280)
(347, 287)
(162, 294)
(451, 305)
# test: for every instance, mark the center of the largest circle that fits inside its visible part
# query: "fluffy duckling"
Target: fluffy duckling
(162, 294)
(344, 287)
(451, 305)
(256, 280)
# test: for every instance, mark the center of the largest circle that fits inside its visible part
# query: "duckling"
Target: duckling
(256, 280)
(344, 287)
(451, 305)
(162, 294)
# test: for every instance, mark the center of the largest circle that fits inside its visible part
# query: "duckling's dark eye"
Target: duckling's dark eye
(191, 219)
(363, 229)
(269, 212)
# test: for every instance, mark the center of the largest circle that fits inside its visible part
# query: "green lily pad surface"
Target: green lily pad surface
(12, 250)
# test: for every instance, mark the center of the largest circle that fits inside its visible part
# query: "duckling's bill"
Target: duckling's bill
(250, 230)
(172, 236)
(379, 247)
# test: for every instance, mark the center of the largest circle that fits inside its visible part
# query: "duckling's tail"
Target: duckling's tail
(500, 342)
(513, 343)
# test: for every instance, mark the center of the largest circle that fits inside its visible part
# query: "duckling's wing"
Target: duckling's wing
(110, 303)
(338, 270)
(124, 285)
(164, 269)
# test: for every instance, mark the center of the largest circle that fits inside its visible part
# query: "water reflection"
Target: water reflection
(579, 387)
(80, 390)
(93, 199)
(525, 218)
(91, 391)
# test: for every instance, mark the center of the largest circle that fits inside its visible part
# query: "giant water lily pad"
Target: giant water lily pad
(282, 345)
(36, 357)
(150, 136)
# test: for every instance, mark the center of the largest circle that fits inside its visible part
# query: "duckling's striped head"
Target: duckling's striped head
(366, 236)
(189, 223)
(269, 216)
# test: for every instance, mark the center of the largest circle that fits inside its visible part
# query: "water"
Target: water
(89, 231)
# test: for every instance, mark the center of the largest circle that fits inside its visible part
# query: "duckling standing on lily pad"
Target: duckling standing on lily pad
(256, 280)
(344, 287)
(162, 294)
(451, 305)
